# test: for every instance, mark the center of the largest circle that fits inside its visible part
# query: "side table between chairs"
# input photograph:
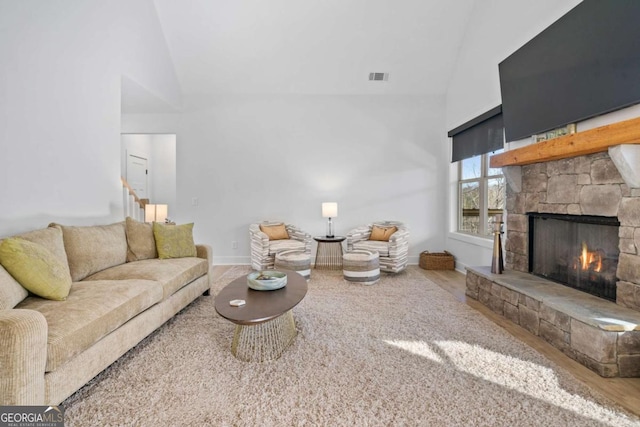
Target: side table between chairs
(329, 253)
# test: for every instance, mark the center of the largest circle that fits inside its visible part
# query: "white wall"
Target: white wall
(60, 77)
(248, 158)
(163, 177)
(245, 158)
(496, 29)
(151, 123)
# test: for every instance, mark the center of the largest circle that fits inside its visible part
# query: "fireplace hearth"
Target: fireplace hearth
(578, 251)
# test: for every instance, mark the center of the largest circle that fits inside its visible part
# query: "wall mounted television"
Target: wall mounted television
(585, 64)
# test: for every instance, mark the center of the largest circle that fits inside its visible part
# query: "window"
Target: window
(481, 189)
(481, 192)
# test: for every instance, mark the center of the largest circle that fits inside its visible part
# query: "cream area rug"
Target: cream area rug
(402, 352)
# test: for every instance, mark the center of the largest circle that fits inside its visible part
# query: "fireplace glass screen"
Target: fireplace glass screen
(578, 251)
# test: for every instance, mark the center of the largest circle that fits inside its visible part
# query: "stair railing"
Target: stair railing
(133, 205)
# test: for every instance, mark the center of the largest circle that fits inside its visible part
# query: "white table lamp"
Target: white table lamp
(329, 210)
(155, 213)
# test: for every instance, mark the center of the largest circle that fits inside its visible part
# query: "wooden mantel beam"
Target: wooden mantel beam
(577, 144)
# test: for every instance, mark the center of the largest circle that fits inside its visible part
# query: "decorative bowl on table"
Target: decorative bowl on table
(266, 280)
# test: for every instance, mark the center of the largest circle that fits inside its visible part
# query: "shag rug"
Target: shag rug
(403, 352)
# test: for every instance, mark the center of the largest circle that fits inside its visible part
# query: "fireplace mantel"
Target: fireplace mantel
(577, 144)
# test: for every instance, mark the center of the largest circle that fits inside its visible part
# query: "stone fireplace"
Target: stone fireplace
(594, 177)
(588, 185)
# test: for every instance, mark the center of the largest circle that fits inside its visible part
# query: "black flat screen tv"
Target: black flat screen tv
(585, 64)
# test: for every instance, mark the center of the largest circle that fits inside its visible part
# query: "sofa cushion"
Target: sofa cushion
(174, 241)
(276, 246)
(93, 248)
(36, 268)
(92, 310)
(11, 292)
(373, 245)
(173, 274)
(140, 241)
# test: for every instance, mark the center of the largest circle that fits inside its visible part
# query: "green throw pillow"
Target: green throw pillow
(36, 268)
(174, 241)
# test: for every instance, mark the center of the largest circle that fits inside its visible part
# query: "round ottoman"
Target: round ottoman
(296, 260)
(362, 266)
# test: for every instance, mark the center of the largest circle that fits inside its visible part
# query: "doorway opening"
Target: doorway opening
(148, 165)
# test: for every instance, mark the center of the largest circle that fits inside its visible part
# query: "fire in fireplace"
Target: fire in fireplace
(575, 250)
(589, 260)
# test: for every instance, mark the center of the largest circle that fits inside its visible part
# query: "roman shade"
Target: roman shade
(481, 135)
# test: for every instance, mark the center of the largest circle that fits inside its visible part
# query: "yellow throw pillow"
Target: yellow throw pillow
(382, 234)
(275, 232)
(36, 268)
(174, 241)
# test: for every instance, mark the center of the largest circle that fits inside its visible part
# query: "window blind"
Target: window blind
(481, 135)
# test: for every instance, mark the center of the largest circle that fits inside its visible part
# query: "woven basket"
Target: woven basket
(437, 261)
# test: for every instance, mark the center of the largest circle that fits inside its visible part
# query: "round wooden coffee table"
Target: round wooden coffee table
(265, 325)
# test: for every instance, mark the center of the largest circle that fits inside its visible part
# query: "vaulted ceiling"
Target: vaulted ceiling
(313, 46)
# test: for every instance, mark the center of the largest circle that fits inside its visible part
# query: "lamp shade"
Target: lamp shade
(155, 213)
(329, 210)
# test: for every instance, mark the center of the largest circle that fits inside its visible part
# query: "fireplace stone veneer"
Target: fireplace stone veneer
(605, 339)
(584, 185)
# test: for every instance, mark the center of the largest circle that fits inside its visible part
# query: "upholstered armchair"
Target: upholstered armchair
(269, 237)
(391, 243)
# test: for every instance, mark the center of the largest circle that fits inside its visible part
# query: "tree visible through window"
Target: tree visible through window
(481, 191)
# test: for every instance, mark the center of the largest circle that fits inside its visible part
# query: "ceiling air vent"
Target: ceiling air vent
(379, 77)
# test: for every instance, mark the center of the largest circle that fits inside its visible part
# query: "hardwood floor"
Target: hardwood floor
(623, 391)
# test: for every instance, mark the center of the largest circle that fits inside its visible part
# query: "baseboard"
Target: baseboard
(231, 260)
(246, 260)
(460, 267)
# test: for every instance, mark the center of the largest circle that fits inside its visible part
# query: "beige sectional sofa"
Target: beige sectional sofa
(120, 293)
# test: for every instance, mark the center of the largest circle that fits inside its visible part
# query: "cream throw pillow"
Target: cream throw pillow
(381, 233)
(94, 248)
(11, 292)
(140, 241)
(35, 268)
(174, 241)
(275, 232)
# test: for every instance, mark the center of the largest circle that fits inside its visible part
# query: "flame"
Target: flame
(590, 260)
